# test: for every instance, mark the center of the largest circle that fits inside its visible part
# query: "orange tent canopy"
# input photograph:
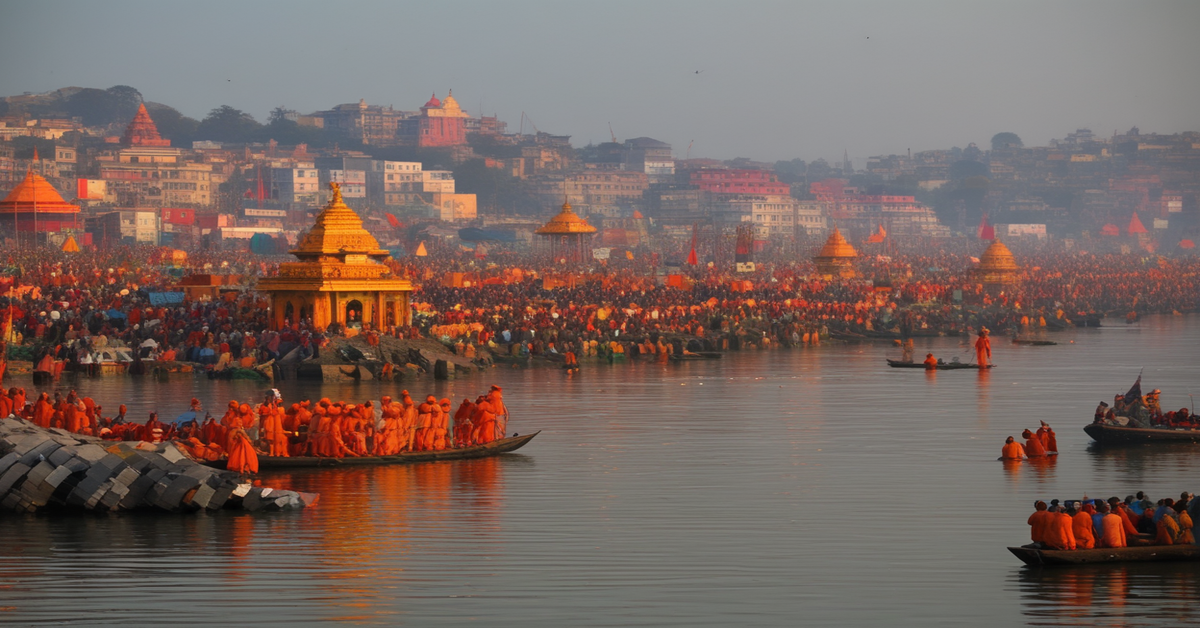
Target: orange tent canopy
(1135, 225)
(1187, 244)
(1110, 230)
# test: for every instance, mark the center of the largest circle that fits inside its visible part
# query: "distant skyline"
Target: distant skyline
(764, 80)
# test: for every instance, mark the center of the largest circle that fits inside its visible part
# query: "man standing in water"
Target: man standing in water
(983, 348)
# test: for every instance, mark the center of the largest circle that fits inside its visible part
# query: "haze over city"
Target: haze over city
(762, 80)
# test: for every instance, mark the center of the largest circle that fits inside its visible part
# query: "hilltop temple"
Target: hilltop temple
(997, 268)
(142, 131)
(339, 278)
(836, 259)
(34, 206)
(567, 234)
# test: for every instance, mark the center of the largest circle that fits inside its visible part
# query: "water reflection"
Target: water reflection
(1040, 469)
(1109, 595)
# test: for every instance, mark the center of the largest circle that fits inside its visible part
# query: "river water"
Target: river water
(793, 487)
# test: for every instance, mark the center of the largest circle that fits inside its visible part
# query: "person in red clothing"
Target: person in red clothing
(983, 348)
(1112, 532)
(1081, 527)
(1012, 450)
(1033, 445)
(1059, 534)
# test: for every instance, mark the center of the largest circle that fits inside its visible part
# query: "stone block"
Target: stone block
(61, 455)
(91, 452)
(8, 460)
(39, 452)
(137, 492)
(172, 454)
(57, 477)
(202, 497)
(15, 474)
(172, 498)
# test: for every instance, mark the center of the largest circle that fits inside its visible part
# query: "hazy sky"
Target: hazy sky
(777, 80)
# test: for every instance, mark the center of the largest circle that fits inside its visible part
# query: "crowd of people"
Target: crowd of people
(327, 429)
(1133, 409)
(1038, 444)
(1096, 523)
(70, 305)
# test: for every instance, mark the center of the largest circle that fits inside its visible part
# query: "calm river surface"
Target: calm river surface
(792, 487)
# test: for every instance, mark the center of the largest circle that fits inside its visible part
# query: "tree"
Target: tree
(226, 124)
(280, 114)
(175, 126)
(966, 168)
(1006, 140)
(793, 171)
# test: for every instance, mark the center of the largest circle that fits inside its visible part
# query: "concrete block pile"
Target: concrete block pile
(52, 469)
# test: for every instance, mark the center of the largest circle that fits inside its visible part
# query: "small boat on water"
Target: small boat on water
(1138, 554)
(697, 355)
(496, 447)
(1034, 343)
(1107, 434)
(941, 366)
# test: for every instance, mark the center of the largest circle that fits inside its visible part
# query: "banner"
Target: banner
(601, 253)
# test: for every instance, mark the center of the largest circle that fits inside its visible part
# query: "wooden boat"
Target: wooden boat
(1034, 343)
(1119, 435)
(1145, 553)
(697, 355)
(942, 366)
(504, 445)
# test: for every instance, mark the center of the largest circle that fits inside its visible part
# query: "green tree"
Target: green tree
(1006, 140)
(175, 126)
(226, 124)
(103, 107)
(793, 171)
(966, 168)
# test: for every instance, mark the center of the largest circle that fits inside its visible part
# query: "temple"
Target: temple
(997, 267)
(34, 206)
(142, 131)
(836, 259)
(441, 123)
(339, 278)
(567, 234)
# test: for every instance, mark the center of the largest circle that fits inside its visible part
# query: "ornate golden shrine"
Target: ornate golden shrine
(997, 266)
(339, 278)
(836, 259)
(567, 233)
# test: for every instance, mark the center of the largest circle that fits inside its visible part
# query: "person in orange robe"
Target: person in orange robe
(1059, 533)
(1033, 445)
(274, 433)
(1049, 441)
(1038, 522)
(496, 399)
(442, 439)
(72, 418)
(424, 423)
(387, 442)
(485, 422)
(983, 347)
(930, 361)
(6, 406)
(43, 411)
(242, 457)
(1012, 450)
(1112, 532)
(1081, 527)
(18, 399)
(462, 423)
(408, 422)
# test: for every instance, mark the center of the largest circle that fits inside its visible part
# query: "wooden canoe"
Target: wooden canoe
(1034, 343)
(504, 445)
(1147, 553)
(699, 355)
(946, 366)
(1119, 435)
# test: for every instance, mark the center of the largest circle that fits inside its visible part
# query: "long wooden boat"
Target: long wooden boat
(1119, 435)
(504, 445)
(944, 366)
(1034, 343)
(1146, 553)
(698, 355)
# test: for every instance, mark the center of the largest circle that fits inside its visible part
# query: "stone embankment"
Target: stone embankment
(55, 470)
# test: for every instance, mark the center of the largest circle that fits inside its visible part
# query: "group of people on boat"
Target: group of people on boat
(1133, 409)
(1095, 523)
(322, 429)
(1037, 444)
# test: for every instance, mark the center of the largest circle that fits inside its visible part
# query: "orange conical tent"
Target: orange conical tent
(1135, 225)
(421, 252)
(1187, 244)
(70, 246)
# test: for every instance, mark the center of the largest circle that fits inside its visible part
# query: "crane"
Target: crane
(610, 132)
(523, 119)
(689, 150)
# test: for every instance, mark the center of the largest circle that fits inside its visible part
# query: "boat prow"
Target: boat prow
(1149, 553)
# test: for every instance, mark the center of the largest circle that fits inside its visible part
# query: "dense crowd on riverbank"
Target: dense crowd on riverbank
(71, 305)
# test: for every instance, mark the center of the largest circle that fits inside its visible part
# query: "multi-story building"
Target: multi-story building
(131, 226)
(295, 188)
(370, 124)
(728, 181)
(773, 215)
(591, 188)
(441, 123)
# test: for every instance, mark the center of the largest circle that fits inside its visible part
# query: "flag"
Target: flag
(392, 220)
(692, 259)
(629, 255)
(1135, 225)
(1135, 391)
(878, 236)
(986, 231)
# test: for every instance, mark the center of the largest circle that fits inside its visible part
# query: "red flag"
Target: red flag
(692, 259)
(986, 231)
(392, 220)
(1135, 225)
(35, 155)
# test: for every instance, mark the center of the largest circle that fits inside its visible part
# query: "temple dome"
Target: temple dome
(997, 257)
(433, 102)
(142, 131)
(450, 103)
(35, 188)
(565, 223)
(338, 231)
(837, 247)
